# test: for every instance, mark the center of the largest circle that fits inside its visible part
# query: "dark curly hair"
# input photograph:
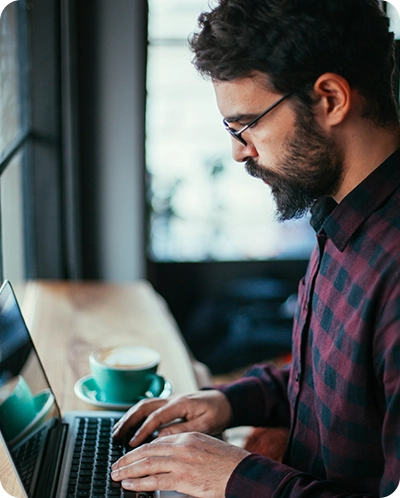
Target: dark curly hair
(295, 41)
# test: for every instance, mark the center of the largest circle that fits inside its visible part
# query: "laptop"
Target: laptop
(53, 455)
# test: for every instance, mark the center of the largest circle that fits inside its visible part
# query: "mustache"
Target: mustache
(253, 169)
(257, 171)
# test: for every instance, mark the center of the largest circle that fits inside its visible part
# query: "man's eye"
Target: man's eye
(246, 123)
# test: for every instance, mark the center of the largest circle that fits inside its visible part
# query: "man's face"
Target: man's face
(286, 149)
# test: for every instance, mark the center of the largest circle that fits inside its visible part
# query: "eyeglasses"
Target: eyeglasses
(237, 134)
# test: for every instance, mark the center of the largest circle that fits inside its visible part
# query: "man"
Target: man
(305, 89)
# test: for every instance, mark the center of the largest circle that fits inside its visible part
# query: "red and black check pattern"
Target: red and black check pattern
(341, 395)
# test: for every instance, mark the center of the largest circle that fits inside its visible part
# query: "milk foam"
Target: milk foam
(127, 357)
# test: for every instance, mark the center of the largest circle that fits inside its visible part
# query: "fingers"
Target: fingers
(140, 468)
(158, 413)
(148, 460)
(149, 483)
(207, 412)
(158, 455)
(196, 425)
(129, 422)
(166, 447)
(151, 466)
(146, 474)
(162, 416)
(191, 463)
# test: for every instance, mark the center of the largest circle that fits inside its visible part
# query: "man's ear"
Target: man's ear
(335, 96)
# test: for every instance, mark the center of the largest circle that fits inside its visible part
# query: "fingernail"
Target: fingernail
(114, 466)
(114, 474)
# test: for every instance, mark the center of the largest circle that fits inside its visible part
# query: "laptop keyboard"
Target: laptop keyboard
(95, 452)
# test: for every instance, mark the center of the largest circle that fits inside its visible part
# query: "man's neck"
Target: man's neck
(364, 150)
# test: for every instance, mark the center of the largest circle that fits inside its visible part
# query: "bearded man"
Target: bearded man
(305, 88)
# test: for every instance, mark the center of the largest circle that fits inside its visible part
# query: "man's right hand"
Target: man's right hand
(208, 412)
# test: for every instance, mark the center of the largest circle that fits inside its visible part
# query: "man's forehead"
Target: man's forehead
(242, 94)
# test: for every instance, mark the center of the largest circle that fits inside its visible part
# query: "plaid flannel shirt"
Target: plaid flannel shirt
(341, 395)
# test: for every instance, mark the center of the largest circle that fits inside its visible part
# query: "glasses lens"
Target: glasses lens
(238, 137)
(233, 133)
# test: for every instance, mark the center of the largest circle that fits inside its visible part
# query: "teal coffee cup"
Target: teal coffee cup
(17, 407)
(125, 373)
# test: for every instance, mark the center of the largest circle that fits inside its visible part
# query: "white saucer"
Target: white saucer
(44, 400)
(87, 390)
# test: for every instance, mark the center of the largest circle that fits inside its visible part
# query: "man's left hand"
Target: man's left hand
(191, 463)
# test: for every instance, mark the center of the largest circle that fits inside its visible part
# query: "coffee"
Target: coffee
(127, 357)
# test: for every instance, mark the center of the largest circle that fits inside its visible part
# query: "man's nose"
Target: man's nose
(241, 153)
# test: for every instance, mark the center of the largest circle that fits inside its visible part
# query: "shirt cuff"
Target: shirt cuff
(247, 402)
(256, 476)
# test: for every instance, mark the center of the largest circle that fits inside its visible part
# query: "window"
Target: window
(203, 206)
(393, 14)
(14, 118)
(36, 150)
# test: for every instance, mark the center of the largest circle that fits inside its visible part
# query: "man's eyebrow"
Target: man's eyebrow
(240, 117)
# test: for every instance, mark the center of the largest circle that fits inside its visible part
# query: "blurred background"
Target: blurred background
(115, 166)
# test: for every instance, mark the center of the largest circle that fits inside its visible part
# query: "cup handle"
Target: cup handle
(156, 387)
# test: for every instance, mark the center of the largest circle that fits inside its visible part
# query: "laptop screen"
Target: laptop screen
(27, 404)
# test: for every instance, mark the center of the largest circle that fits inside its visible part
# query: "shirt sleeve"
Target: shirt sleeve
(259, 398)
(386, 354)
(257, 477)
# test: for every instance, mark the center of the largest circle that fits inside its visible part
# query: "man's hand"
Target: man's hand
(205, 411)
(190, 463)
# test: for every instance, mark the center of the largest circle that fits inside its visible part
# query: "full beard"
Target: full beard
(311, 167)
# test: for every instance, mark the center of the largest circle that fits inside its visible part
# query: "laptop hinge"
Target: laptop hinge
(50, 472)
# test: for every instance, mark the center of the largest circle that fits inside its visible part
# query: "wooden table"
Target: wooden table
(70, 319)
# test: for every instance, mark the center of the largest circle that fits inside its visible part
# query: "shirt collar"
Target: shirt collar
(340, 221)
